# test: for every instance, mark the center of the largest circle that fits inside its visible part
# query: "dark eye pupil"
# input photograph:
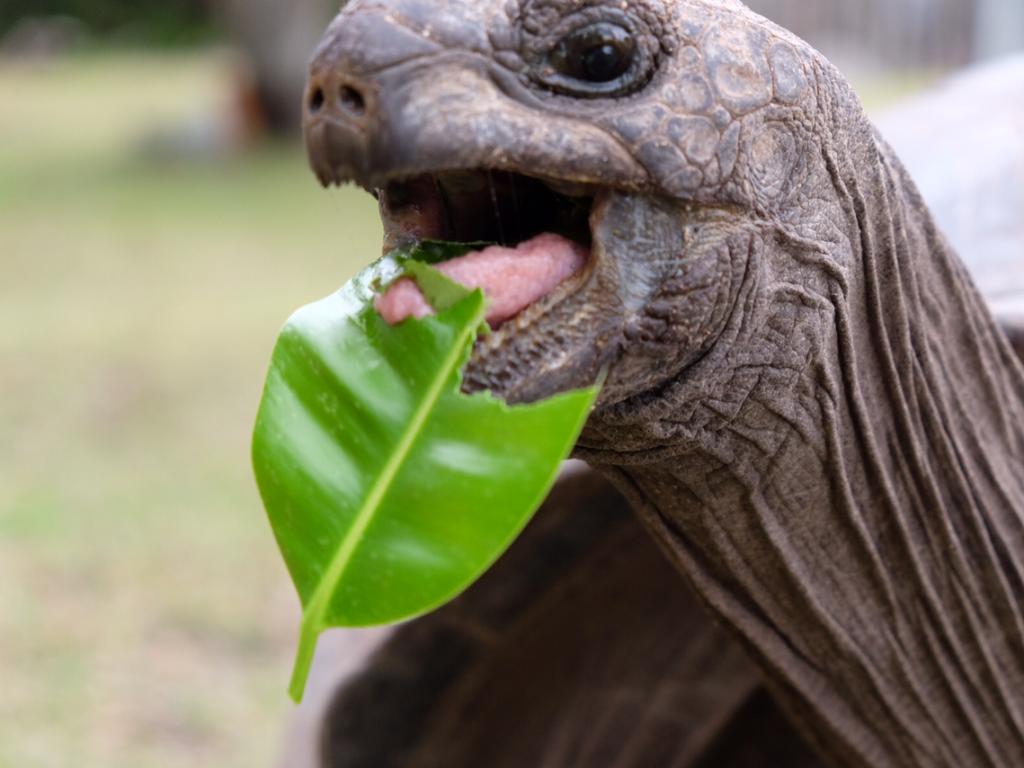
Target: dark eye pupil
(603, 63)
(599, 53)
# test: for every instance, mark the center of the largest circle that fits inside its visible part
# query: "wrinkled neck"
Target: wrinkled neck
(856, 517)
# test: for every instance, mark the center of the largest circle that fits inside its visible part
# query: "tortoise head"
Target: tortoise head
(681, 141)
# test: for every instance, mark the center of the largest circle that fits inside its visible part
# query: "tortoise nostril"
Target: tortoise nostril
(316, 100)
(352, 100)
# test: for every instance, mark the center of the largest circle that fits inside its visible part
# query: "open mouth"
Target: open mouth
(534, 236)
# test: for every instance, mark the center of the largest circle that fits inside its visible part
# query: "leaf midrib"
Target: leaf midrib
(313, 615)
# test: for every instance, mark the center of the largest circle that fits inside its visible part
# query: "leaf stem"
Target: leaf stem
(303, 660)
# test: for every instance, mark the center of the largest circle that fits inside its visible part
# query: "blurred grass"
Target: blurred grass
(145, 616)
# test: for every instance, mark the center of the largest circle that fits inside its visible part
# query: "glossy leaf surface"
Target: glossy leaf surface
(390, 491)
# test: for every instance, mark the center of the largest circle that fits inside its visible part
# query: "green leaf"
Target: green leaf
(390, 491)
(440, 290)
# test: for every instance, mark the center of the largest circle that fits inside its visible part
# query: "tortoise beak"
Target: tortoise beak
(385, 103)
(343, 114)
(337, 126)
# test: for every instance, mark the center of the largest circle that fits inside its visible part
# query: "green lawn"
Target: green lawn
(145, 616)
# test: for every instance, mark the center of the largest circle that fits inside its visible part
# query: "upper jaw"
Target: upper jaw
(428, 117)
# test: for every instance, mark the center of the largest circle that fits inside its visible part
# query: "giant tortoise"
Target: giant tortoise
(814, 422)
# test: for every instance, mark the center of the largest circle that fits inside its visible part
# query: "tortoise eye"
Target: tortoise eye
(598, 53)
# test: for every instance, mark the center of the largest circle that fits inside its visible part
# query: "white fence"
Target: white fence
(903, 34)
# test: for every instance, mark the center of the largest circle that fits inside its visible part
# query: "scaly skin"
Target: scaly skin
(807, 401)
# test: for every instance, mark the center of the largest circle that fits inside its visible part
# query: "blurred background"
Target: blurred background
(157, 225)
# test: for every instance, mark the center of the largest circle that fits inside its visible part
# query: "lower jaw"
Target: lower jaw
(533, 315)
(554, 345)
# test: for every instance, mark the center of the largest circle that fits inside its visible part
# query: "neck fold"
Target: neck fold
(857, 518)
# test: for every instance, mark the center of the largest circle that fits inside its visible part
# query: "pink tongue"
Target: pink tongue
(511, 278)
